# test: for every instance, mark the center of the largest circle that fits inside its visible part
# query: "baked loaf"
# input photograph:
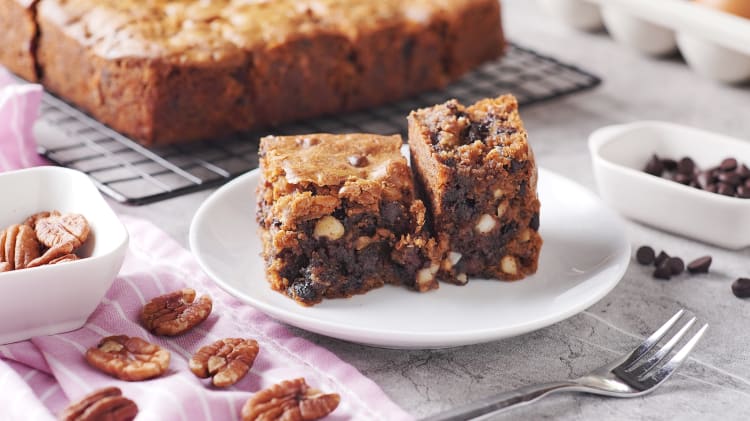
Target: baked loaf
(479, 177)
(338, 216)
(164, 71)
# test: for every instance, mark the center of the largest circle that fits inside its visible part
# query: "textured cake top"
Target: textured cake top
(213, 31)
(330, 160)
(489, 129)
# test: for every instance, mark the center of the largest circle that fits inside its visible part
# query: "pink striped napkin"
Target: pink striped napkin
(41, 376)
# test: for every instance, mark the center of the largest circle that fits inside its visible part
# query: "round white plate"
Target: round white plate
(585, 254)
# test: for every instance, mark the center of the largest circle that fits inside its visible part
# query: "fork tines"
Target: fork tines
(649, 365)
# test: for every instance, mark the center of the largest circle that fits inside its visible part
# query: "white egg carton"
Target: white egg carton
(714, 43)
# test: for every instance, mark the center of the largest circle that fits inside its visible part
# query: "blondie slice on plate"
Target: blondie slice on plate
(478, 174)
(338, 216)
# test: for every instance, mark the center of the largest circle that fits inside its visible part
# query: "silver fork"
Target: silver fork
(629, 376)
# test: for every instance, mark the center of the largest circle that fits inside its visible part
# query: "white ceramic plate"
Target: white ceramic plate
(584, 256)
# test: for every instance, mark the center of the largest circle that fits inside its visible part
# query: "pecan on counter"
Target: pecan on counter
(127, 358)
(290, 400)
(226, 360)
(103, 404)
(18, 247)
(175, 313)
(61, 234)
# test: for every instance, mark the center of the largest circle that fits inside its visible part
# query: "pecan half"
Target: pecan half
(175, 313)
(103, 404)
(290, 400)
(128, 358)
(227, 360)
(61, 234)
(18, 247)
(64, 259)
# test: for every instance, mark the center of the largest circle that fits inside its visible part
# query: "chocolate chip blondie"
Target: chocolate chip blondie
(338, 216)
(479, 178)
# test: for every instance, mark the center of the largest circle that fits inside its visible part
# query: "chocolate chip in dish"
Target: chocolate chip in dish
(338, 216)
(479, 177)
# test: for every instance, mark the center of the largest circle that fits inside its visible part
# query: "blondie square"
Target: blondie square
(338, 216)
(478, 174)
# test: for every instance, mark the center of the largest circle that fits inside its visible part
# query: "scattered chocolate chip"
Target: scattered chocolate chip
(661, 258)
(700, 265)
(663, 271)
(357, 161)
(729, 164)
(741, 288)
(645, 255)
(743, 192)
(725, 189)
(743, 171)
(676, 265)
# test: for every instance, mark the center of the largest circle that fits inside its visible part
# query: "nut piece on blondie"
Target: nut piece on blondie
(478, 174)
(338, 217)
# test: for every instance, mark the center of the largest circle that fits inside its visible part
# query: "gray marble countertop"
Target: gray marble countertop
(714, 383)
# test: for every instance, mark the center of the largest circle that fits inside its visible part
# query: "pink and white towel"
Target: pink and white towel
(41, 376)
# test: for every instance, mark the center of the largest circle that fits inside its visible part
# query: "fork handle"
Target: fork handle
(497, 403)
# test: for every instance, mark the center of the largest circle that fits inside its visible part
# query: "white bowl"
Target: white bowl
(619, 154)
(638, 33)
(579, 14)
(57, 298)
(714, 61)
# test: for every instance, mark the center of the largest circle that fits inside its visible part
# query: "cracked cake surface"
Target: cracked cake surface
(166, 71)
(477, 171)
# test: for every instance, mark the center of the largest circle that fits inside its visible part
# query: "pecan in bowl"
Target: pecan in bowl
(103, 404)
(18, 247)
(61, 234)
(127, 358)
(175, 313)
(226, 360)
(290, 400)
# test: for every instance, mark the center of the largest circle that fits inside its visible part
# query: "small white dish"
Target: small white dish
(585, 254)
(57, 298)
(638, 33)
(579, 14)
(714, 61)
(619, 154)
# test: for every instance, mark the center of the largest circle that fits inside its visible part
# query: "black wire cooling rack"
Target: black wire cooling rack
(133, 174)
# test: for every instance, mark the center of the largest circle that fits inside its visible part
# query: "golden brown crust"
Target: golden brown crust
(338, 217)
(478, 172)
(17, 51)
(169, 71)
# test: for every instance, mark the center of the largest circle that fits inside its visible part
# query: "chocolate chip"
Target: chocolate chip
(686, 166)
(729, 164)
(534, 223)
(357, 161)
(725, 179)
(731, 178)
(308, 141)
(645, 255)
(663, 271)
(676, 265)
(669, 164)
(741, 288)
(725, 189)
(700, 265)
(654, 166)
(661, 258)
